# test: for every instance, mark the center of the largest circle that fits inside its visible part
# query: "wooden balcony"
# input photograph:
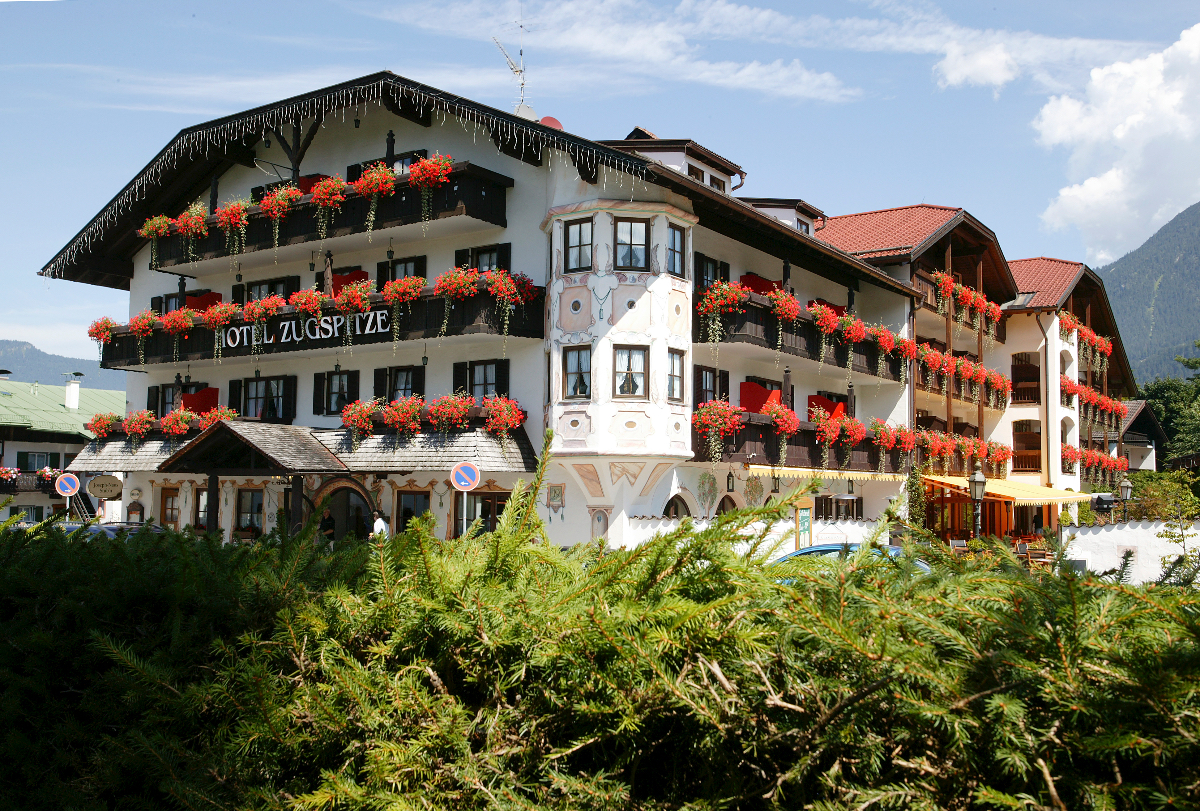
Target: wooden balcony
(958, 389)
(757, 325)
(474, 316)
(473, 191)
(757, 443)
(1027, 462)
(28, 482)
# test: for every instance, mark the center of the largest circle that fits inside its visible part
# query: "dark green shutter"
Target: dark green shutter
(504, 255)
(289, 397)
(352, 386)
(698, 260)
(291, 284)
(723, 385)
(419, 267)
(152, 399)
(462, 258)
(418, 381)
(460, 383)
(68, 459)
(54, 459)
(320, 281)
(502, 378)
(383, 275)
(381, 384)
(23, 460)
(319, 393)
(239, 294)
(235, 395)
(156, 304)
(724, 271)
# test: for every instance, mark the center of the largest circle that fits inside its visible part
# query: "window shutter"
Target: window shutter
(381, 384)
(419, 267)
(504, 255)
(23, 460)
(68, 459)
(418, 381)
(319, 393)
(291, 284)
(858, 508)
(352, 386)
(152, 399)
(723, 385)
(235, 395)
(239, 294)
(383, 275)
(53, 459)
(460, 381)
(697, 393)
(502, 378)
(320, 281)
(724, 271)
(289, 397)
(698, 268)
(462, 258)
(156, 304)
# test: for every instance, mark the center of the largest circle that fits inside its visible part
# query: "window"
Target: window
(168, 514)
(579, 245)
(337, 391)
(408, 507)
(250, 510)
(173, 302)
(577, 373)
(403, 163)
(486, 258)
(706, 385)
(483, 379)
(633, 244)
(403, 268)
(629, 371)
(676, 508)
(404, 382)
(486, 507)
(675, 375)
(168, 397)
(675, 250)
(201, 511)
(695, 172)
(260, 290)
(29, 514)
(264, 398)
(769, 385)
(709, 271)
(802, 226)
(716, 182)
(37, 461)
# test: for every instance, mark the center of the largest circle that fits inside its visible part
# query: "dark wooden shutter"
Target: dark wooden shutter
(697, 386)
(698, 260)
(156, 304)
(54, 459)
(462, 258)
(291, 284)
(502, 378)
(381, 384)
(235, 395)
(418, 381)
(352, 385)
(460, 382)
(239, 294)
(320, 281)
(319, 393)
(723, 385)
(419, 267)
(152, 398)
(724, 271)
(289, 397)
(383, 275)
(858, 508)
(23, 460)
(504, 255)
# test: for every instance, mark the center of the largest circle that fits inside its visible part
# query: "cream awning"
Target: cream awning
(789, 473)
(1019, 493)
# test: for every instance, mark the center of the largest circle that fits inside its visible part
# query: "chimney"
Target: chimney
(72, 399)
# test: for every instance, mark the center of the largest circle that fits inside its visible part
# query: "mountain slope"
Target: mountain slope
(1155, 294)
(28, 363)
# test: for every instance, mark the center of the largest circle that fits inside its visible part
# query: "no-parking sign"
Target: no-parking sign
(465, 476)
(67, 484)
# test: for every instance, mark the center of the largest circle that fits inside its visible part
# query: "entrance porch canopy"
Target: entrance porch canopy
(1019, 493)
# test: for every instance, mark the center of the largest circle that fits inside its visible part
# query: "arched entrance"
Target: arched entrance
(350, 511)
(727, 505)
(676, 508)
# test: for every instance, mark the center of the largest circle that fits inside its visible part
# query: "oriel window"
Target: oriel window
(579, 245)
(629, 371)
(633, 244)
(675, 250)
(577, 373)
(675, 375)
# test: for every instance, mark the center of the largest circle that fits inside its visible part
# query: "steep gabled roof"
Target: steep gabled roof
(898, 232)
(1049, 279)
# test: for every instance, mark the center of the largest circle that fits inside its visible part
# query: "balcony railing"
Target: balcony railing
(1027, 462)
(959, 389)
(27, 483)
(472, 191)
(757, 325)
(1066, 400)
(289, 332)
(757, 443)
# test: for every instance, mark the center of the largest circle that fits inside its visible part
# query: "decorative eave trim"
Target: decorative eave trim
(591, 206)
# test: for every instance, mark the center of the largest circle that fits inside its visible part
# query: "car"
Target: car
(111, 530)
(847, 549)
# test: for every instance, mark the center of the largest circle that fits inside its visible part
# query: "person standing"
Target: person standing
(328, 526)
(381, 528)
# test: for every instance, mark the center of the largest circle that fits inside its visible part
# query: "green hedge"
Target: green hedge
(497, 671)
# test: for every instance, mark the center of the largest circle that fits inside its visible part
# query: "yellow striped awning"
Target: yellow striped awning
(791, 473)
(1020, 493)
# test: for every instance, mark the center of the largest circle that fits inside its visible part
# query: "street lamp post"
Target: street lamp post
(1126, 490)
(977, 483)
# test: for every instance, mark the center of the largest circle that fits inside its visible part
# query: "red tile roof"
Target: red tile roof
(1049, 278)
(890, 232)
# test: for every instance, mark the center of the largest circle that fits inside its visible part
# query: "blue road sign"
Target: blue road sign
(67, 484)
(465, 476)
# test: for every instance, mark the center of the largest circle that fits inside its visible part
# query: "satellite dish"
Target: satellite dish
(550, 121)
(526, 112)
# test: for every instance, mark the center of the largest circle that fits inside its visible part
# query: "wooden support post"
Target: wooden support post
(214, 502)
(949, 261)
(297, 517)
(786, 394)
(390, 156)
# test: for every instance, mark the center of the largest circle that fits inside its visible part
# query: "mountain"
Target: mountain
(1155, 294)
(28, 363)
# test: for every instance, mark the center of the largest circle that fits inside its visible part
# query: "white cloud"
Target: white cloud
(1133, 136)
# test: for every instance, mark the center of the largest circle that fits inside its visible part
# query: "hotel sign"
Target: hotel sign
(289, 333)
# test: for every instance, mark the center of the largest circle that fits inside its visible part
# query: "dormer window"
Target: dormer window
(802, 227)
(695, 173)
(716, 182)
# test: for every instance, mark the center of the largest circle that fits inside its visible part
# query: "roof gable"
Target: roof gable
(1049, 279)
(888, 232)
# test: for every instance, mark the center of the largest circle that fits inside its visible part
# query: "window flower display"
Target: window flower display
(716, 420)
(451, 412)
(191, 225)
(786, 422)
(216, 318)
(154, 229)
(401, 291)
(456, 284)
(404, 415)
(378, 180)
(275, 207)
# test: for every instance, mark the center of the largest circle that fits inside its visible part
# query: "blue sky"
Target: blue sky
(1072, 129)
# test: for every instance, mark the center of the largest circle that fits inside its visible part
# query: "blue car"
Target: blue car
(847, 549)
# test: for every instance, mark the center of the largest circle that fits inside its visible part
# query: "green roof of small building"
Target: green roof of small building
(39, 407)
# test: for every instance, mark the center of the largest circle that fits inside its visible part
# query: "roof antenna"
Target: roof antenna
(518, 70)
